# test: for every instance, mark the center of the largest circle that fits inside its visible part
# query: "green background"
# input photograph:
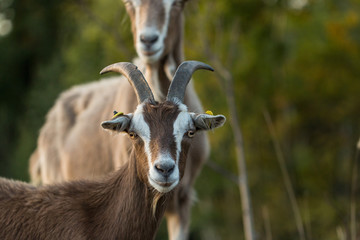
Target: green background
(299, 60)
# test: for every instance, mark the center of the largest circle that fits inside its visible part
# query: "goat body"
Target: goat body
(118, 207)
(129, 203)
(69, 146)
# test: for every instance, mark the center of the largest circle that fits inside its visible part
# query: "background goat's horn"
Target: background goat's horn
(182, 77)
(135, 77)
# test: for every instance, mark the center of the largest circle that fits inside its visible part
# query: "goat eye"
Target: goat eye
(190, 133)
(133, 135)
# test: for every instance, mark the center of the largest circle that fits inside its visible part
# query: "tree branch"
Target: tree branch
(286, 177)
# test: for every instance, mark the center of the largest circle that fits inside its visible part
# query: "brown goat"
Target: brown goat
(129, 203)
(70, 146)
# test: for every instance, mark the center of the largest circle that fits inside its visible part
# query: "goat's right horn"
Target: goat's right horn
(135, 77)
(182, 77)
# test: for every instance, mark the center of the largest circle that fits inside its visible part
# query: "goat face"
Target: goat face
(151, 21)
(162, 135)
(161, 132)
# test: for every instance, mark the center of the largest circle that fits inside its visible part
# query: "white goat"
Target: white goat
(129, 203)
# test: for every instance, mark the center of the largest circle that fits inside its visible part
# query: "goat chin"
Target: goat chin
(163, 187)
(150, 57)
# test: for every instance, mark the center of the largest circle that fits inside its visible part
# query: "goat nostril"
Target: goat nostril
(148, 39)
(154, 39)
(158, 168)
(165, 169)
(171, 169)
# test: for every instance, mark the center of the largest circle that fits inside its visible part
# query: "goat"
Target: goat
(129, 203)
(69, 146)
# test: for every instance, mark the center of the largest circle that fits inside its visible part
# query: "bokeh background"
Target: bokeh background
(295, 61)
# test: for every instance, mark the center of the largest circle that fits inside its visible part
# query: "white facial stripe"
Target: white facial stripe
(139, 124)
(137, 17)
(181, 125)
(142, 129)
(167, 6)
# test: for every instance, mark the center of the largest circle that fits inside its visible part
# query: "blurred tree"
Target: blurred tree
(25, 51)
(299, 59)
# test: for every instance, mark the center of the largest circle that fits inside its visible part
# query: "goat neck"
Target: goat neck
(131, 217)
(158, 77)
(160, 73)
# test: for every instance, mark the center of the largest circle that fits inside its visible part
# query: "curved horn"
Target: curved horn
(135, 77)
(182, 77)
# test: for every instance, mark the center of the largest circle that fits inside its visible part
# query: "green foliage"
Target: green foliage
(297, 59)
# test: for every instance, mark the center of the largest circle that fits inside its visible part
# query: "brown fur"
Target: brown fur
(121, 206)
(70, 143)
(159, 118)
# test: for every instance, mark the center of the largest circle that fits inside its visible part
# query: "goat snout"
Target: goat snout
(165, 169)
(164, 175)
(149, 39)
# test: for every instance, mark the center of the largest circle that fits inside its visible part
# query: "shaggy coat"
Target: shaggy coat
(70, 144)
(117, 207)
(124, 205)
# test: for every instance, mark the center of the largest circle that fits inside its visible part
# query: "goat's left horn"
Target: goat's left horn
(182, 77)
(135, 77)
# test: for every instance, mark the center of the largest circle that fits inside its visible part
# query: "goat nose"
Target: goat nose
(165, 169)
(148, 39)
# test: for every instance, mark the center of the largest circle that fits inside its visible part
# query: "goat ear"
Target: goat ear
(207, 121)
(119, 124)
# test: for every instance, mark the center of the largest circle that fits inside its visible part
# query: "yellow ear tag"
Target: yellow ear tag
(209, 112)
(117, 114)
